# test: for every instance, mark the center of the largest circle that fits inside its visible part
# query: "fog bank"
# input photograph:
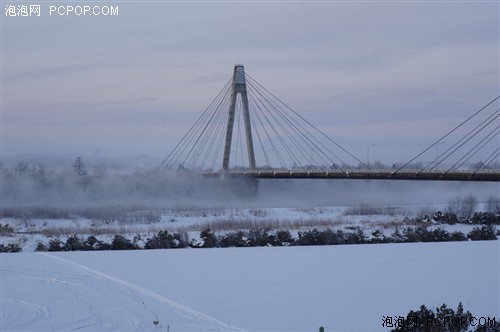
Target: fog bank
(167, 189)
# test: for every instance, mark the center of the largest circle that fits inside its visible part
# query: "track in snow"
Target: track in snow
(207, 321)
(59, 294)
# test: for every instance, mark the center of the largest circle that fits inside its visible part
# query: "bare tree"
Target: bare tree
(454, 206)
(468, 207)
(493, 204)
(21, 167)
(463, 208)
(37, 172)
(79, 167)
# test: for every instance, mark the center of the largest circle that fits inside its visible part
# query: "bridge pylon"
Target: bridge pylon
(238, 88)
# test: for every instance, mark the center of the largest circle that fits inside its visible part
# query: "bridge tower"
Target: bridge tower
(238, 87)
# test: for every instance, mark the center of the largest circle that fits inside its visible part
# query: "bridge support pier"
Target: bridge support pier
(241, 187)
(238, 87)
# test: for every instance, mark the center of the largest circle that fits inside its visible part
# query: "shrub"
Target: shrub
(378, 237)
(397, 237)
(182, 239)
(486, 232)
(438, 216)
(421, 234)
(316, 237)
(309, 238)
(284, 238)
(485, 218)
(55, 245)
(446, 218)
(164, 240)
(357, 237)
(234, 239)
(92, 243)
(6, 230)
(121, 243)
(73, 243)
(458, 236)
(40, 246)
(426, 319)
(259, 237)
(440, 235)
(409, 235)
(209, 239)
(11, 247)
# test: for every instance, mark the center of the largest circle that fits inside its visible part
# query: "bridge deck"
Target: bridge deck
(490, 176)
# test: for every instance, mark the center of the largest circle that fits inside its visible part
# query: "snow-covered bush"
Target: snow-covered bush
(234, 239)
(208, 239)
(121, 243)
(165, 240)
(55, 245)
(485, 218)
(486, 232)
(11, 247)
(442, 319)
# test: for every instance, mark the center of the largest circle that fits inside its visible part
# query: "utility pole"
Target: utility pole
(368, 154)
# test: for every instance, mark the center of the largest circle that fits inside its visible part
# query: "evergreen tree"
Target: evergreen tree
(79, 167)
(209, 239)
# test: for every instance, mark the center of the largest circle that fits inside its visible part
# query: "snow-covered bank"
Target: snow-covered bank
(138, 225)
(256, 289)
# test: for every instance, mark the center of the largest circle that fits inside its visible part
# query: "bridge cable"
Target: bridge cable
(280, 138)
(194, 155)
(494, 131)
(273, 147)
(467, 140)
(302, 135)
(489, 119)
(283, 129)
(205, 138)
(184, 139)
(290, 136)
(488, 160)
(293, 123)
(177, 151)
(214, 136)
(310, 124)
(220, 139)
(447, 134)
(254, 125)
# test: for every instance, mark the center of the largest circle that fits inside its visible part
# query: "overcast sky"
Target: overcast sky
(394, 74)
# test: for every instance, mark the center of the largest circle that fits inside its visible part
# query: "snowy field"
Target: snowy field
(343, 288)
(27, 233)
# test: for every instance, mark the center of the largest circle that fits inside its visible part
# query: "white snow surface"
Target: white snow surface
(343, 288)
(27, 233)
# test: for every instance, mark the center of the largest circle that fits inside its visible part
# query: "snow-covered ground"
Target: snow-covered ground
(27, 233)
(343, 288)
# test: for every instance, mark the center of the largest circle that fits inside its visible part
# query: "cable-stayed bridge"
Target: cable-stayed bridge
(248, 132)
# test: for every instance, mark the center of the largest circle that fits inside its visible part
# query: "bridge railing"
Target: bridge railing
(358, 171)
(380, 174)
(374, 174)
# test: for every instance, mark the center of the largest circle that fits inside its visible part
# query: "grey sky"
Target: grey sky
(394, 74)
